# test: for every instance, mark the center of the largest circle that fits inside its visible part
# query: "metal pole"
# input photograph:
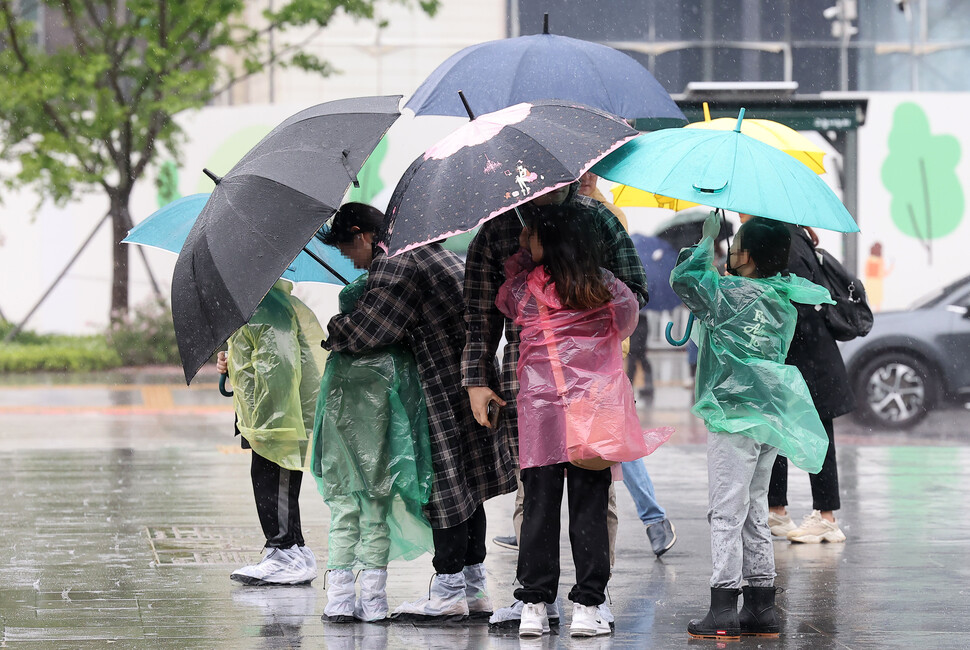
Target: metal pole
(325, 265)
(850, 189)
(151, 276)
(844, 58)
(12, 333)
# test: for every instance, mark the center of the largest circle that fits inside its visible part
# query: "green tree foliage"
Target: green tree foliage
(920, 173)
(94, 115)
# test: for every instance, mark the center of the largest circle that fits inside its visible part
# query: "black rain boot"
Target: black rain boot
(757, 617)
(721, 621)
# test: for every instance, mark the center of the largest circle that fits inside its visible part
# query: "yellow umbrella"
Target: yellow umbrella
(625, 196)
(777, 135)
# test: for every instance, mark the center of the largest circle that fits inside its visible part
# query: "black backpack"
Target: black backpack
(850, 316)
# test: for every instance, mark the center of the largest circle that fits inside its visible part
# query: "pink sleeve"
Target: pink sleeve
(517, 270)
(626, 309)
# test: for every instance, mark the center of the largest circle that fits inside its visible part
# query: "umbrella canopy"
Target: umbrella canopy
(777, 135)
(510, 71)
(729, 170)
(659, 259)
(262, 214)
(496, 162)
(169, 226)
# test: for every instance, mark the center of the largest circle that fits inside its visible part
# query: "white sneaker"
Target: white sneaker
(279, 566)
(340, 596)
(780, 525)
(534, 620)
(587, 622)
(815, 530)
(507, 618)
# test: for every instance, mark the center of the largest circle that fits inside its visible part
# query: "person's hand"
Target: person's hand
(222, 365)
(712, 226)
(479, 397)
(524, 238)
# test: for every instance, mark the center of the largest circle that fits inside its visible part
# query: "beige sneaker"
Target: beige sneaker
(780, 525)
(814, 530)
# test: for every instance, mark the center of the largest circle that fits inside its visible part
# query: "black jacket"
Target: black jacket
(813, 349)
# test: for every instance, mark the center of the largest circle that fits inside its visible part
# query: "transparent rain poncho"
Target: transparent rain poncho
(274, 364)
(371, 444)
(574, 402)
(743, 330)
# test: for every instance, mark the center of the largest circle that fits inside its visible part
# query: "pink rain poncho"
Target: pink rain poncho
(574, 401)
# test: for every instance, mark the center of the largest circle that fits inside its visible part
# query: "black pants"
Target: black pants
(277, 492)
(638, 354)
(538, 568)
(825, 484)
(460, 546)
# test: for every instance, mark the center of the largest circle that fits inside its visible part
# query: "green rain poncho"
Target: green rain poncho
(371, 439)
(743, 385)
(274, 365)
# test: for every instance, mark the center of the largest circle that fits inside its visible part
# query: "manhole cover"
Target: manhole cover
(181, 545)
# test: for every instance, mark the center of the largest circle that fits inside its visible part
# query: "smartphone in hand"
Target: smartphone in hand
(493, 413)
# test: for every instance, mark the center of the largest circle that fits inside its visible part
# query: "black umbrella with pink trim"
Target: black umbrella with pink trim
(494, 163)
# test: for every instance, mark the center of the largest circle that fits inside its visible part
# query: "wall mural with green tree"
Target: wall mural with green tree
(920, 174)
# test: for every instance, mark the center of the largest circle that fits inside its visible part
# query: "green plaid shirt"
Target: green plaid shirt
(498, 240)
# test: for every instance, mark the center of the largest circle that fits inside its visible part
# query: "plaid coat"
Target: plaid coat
(498, 240)
(416, 298)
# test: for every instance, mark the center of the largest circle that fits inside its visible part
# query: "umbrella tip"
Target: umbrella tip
(215, 179)
(740, 117)
(468, 109)
(707, 112)
(545, 23)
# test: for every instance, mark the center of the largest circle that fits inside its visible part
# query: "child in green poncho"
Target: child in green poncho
(753, 405)
(275, 373)
(372, 462)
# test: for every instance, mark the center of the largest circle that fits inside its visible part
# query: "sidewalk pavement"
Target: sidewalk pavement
(122, 527)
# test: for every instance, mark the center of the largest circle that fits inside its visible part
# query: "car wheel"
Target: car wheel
(895, 390)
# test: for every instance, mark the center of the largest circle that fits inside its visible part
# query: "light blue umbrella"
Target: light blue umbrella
(168, 227)
(728, 170)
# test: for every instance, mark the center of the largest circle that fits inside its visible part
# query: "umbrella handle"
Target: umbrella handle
(222, 385)
(670, 326)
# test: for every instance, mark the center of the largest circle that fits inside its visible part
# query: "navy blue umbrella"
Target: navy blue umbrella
(501, 73)
(659, 259)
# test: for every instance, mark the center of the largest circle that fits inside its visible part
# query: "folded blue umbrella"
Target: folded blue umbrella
(167, 228)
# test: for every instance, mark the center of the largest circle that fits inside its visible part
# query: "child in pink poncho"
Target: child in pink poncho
(575, 407)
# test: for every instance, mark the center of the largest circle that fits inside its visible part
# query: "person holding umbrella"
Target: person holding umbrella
(496, 241)
(753, 405)
(415, 298)
(275, 373)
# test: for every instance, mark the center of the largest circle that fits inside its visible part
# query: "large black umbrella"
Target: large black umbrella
(262, 214)
(496, 162)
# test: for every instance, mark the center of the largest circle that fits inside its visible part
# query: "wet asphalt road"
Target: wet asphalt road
(123, 516)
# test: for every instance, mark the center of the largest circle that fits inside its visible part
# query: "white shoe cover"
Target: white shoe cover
(279, 566)
(447, 601)
(340, 593)
(476, 590)
(372, 604)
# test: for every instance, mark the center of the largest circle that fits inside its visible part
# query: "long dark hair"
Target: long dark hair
(571, 257)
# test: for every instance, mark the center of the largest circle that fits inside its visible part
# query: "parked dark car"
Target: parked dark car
(914, 360)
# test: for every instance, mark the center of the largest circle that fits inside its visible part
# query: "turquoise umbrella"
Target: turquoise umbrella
(728, 170)
(168, 227)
